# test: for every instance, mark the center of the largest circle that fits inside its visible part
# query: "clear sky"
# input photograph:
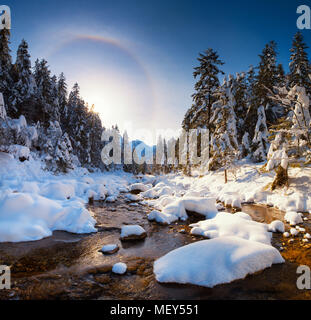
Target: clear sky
(134, 59)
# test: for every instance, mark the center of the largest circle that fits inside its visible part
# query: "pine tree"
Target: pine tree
(207, 82)
(265, 80)
(44, 111)
(78, 128)
(62, 98)
(23, 96)
(6, 81)
(299, 66)
(224, 143)
(260, 144)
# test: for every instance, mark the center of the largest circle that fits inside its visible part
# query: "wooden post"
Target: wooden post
(226, 176)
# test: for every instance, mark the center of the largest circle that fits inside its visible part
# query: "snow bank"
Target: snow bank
(211, 262)
(227, 224)
(34, 202)
(28, 217)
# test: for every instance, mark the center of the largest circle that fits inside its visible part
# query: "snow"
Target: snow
(276, 226)
(211, 262)
(161, 217)
(293, 218)
(28, 217)
(139, 187)
(109, 247)
(294, 232)
(35, 202)
(131, 230)
(119, 268)
(226, 224)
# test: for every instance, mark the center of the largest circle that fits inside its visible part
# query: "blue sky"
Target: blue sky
(134, 59)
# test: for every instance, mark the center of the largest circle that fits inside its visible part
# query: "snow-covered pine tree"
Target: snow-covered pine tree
(224, 143)
(62, 98)
(265, 80)
(43, 110)
(56, 148)
(299, 66)
(6, 81)
(78, 128)
(206, 75)
(260, 142)
(23, 95)
(55, 110)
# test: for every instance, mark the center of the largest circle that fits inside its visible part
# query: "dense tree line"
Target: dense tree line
(69, 130)
(245, 111)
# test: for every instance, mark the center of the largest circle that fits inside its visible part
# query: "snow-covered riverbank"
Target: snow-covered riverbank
(34, 203)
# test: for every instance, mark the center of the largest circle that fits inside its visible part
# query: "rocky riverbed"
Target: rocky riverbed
(71, 266)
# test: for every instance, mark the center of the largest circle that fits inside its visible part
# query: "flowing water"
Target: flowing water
(70, 266)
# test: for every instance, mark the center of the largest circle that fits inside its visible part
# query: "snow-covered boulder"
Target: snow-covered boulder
(161, 217)
(19, 152)
(293, 218)
(140, 187)
(133, 232)
(110, 248)
(227, 224)
(276, 226)
(211, 262)
(119, 268)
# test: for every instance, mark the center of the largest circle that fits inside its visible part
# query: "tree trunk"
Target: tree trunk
(226, 176)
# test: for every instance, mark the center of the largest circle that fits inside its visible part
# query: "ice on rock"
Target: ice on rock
(227, 224)
(212, 262)
(276, 226)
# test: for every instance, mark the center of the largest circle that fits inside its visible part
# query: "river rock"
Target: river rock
(131, 233)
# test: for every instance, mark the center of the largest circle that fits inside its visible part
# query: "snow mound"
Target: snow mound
(161, 217)
(211, 262)
(119, 268)
(58, 190)
(139, 187)
(227, 224)
(28, 217)
(204, 206)
(276, 226)
(293, 218)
